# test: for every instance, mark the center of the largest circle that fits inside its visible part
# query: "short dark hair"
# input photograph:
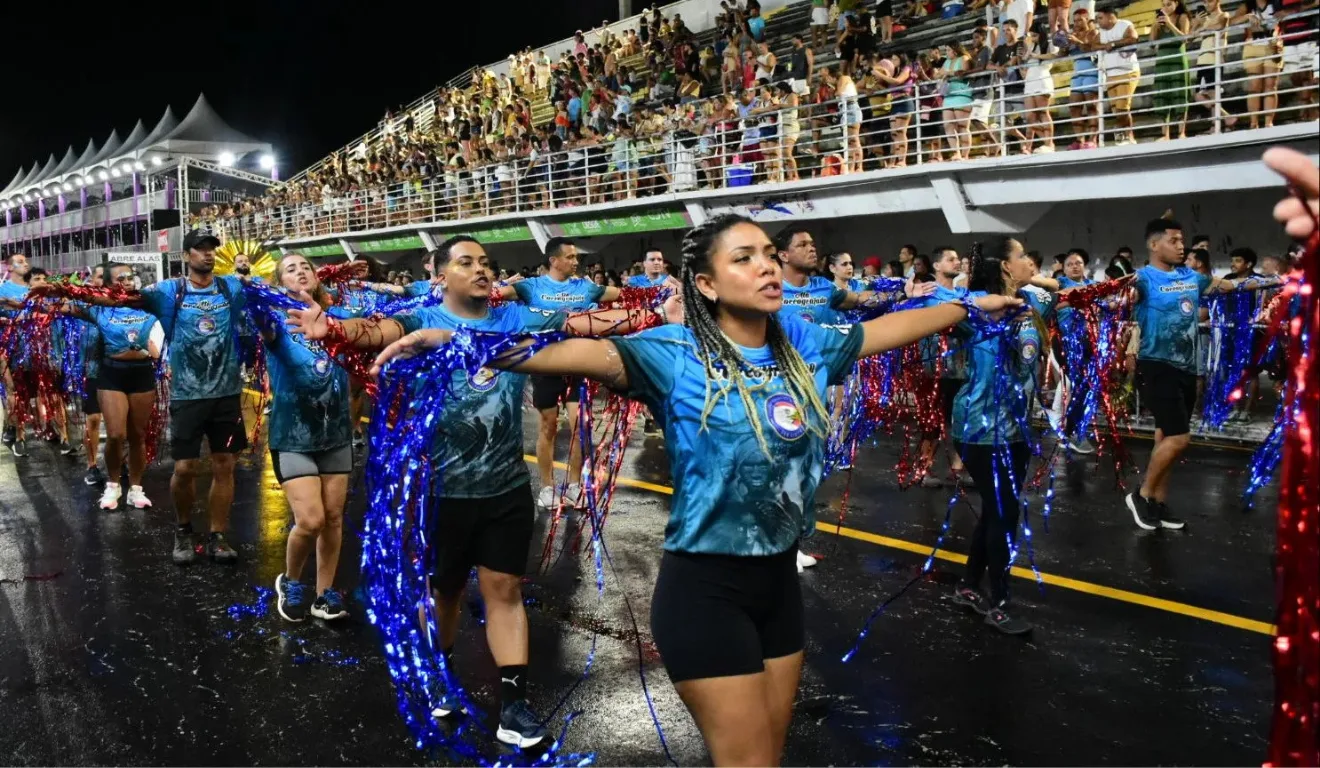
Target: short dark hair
(1159, 227)
(937, 252)
(1035, 258)
(35, 272)
(555, 245)
(1086, 257)
(1203, 256)
(10, 258)
(1199, 238)
(786, 235)
(1122, 249)
(911, 248)
(1244, 253)
(444, 251)
(1011, 23)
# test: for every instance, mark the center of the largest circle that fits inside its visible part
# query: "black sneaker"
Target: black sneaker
(1002, 620)
(444, 703)
(329, 605)
(1143, 512)
(219, 550)
(8, 436)
(292, 598)
(19, 448)
(1167, 520)
(971, 598)
(519, 727)
(185, 550)
(65, 448)
(94, 476)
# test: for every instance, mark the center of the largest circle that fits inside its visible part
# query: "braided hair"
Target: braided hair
(725, 367)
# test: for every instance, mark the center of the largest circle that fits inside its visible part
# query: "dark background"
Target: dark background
(306, 76)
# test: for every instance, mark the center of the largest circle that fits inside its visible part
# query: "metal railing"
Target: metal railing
(764, 142)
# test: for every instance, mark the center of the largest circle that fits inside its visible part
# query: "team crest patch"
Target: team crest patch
(206, 325)
(1029, 351)
(784, 416)
(1186, 306)
(132, 337)
(484, 380)
(321, 366)
(808, 318)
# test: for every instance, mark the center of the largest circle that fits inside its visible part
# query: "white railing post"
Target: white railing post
(1217, 107)
(1102, 98)
(916, 124)
(1002, 97)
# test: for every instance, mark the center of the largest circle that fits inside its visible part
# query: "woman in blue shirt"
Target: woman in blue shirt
(738, 392)
(310, 450)
(990, 415)
(125, 387)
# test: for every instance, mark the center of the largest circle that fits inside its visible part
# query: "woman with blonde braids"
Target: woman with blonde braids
(738, 393)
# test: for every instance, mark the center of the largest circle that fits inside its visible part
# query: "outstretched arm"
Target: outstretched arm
(361, 333)
(898, 329)
(593, 358)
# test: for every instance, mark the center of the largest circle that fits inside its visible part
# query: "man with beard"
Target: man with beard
(201, 314)
(481, 481)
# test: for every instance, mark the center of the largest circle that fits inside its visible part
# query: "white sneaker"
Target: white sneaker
(110, 496)
(137, 499)
(804, 560)
(546, 498)
(574, 496)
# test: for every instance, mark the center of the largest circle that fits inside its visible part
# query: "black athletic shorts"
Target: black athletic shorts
(723, 615)
(493, 532)
(131, 377)
(1169, 393)
(549, 391)
(218, 419)
(292, 465)
(91, 404)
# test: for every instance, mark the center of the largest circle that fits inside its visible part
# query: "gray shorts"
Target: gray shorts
(289, 465)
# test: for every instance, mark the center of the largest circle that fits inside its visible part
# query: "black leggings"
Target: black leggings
(999, 513)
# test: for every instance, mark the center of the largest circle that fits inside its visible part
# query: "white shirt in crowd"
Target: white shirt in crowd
(1118, 62)
(1016, 10)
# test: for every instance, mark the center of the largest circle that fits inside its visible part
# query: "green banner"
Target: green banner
(649, 221)
(400, 243)
(511, 234)
(312, 251)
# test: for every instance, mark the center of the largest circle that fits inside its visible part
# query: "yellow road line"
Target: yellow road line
(1077, 585)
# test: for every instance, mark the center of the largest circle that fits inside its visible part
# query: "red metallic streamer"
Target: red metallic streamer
(1294, 734)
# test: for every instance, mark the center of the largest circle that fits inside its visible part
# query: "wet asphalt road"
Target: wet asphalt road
(112, 655)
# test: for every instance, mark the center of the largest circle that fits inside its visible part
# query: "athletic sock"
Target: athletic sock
(513, 684)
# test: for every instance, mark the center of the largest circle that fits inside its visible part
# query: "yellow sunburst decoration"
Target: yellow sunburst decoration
(263, 264)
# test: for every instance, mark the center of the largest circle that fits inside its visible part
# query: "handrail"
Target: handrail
(618, 170)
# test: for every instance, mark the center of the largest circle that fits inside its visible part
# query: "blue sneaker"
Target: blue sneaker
(329, 606)
(445, 704)
(519, 727)
(292, 603)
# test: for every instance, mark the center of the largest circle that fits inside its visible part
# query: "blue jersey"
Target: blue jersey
(202, 343)
(125, 329)
(731, 496)
(995, 401)
(1067, 315)
(642, 281)
(816, 302)
(478, 447)
(420, 288)
(949, 346)
(309, 402)
(92, 347)
(573, 294)
(855, 285)
(17, 353)
(1166, 314)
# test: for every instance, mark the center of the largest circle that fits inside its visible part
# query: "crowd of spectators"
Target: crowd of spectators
(625, 116)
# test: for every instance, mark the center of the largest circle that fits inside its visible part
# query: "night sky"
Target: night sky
(306, 76)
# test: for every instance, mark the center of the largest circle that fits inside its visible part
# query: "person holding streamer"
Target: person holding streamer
(739, 390)
(91, 404)
(125, 388)
(480, 478)
(1075, 275)
(1168, 295)
(311, 450)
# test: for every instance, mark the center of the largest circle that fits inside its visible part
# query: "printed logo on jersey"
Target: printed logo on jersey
(132, 337)
(484, 380)
(806, 317)
(784, 416)
(1186, 306)
(321, 366)
(206, 325)
(1029, 351)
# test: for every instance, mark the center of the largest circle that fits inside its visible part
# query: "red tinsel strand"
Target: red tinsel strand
(31, 330)
(160, 414)
(356, 361)
(1294, 734)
